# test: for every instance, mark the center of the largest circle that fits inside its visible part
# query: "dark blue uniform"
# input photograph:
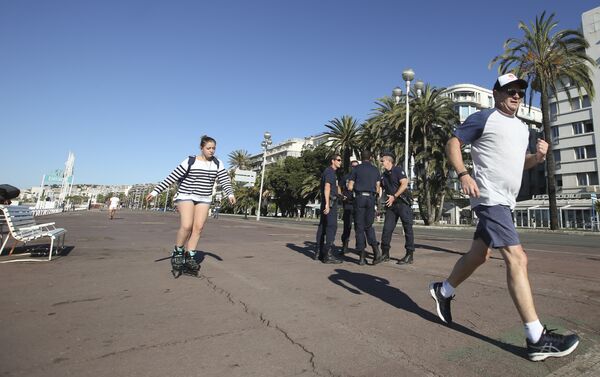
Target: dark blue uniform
(328, 223)
(348, 216)
(365, 177)
(390, 182)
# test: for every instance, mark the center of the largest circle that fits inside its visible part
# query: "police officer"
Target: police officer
(397, 205)
(328, 222)
(348, 200)
(364, 181)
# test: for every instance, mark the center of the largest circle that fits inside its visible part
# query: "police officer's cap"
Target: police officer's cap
(388, 154)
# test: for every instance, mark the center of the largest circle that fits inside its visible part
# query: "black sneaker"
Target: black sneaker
(551, 345)
(442, 303)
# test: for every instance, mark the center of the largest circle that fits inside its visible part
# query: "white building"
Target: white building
(288, 148)
(574, 133)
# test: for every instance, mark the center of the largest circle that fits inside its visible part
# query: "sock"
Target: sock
(447, 290)
(533, 331)
(192, 253)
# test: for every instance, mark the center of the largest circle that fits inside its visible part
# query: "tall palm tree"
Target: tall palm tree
(547, 62)
(345, 136)
(240, 158)
(433, 116)
(384, 131)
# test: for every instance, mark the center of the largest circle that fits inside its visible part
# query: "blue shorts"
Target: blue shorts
(495, 226)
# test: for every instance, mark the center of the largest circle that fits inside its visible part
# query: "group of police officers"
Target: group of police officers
(359, 191)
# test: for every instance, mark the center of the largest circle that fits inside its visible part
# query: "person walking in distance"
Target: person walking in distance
(197, 176)
(112, 206)
(394, 183)
(348, 201)
(364, 181)
(328, 222)
(499, 142)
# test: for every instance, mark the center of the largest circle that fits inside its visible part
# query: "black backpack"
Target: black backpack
(8, 192)
(191, 160)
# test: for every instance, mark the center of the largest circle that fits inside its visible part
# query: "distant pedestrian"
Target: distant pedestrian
(194, 196)
(348, 203)
(216, 210)
(499, 142)
(398, 205)
(112, 206)
(328, 222)
(364, 181)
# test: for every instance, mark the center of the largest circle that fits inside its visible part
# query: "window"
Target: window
(580, 102)
(555, 132)
(581, 153)
(587, 179)
(490, 101)
(556, 154)
(558, 178)
(583, 127)
(590, 151)
(553, 109)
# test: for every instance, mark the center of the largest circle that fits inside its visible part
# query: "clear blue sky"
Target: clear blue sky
(129, 86)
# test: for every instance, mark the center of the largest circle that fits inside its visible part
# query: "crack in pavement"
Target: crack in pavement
(267, 322)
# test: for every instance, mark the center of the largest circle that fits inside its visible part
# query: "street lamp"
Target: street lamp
(265, 145)
(407, 75)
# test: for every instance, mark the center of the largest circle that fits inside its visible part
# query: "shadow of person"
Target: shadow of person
(307, 250)
(198, 257)
(358, 283)
(435, 248)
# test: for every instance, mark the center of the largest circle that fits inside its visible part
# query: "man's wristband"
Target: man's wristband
(463, 173)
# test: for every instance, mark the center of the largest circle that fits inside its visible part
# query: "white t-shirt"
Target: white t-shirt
(114, 202)
(498, 148)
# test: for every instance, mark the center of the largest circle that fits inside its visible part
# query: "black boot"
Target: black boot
(317, 255)
(345, 247)
(376, 254)
(328, 256)
(408, 258)
(363, 254)
(385, 254)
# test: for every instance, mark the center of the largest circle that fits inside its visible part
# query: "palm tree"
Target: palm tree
(547, 62)
(433, 117)
(345, 136)
(384, 131)
(239, 159)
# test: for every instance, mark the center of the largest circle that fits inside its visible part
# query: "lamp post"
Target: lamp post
(407, 75)
(265, 145)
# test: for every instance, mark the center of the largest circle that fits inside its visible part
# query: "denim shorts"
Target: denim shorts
(495, 226)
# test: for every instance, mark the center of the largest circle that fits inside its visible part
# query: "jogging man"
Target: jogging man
(499, 143)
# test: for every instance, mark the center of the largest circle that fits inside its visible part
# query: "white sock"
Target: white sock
(447, 290)
(533, 331)
(192, 253)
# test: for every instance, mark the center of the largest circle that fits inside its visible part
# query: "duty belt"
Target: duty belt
(366, 193)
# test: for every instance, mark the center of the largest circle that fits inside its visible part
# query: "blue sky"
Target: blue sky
(129, 86)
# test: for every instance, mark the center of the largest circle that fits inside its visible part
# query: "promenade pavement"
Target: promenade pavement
(263, 307)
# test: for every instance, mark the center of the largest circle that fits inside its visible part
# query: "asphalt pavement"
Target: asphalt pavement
(262, 306)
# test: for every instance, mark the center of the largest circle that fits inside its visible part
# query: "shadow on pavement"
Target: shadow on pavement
(358, 283)
(199, 257)
(308, 250)
(435, 248)
(40, 250)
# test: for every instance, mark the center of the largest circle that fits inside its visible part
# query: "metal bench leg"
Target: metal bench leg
(51, 247)
(4, 244)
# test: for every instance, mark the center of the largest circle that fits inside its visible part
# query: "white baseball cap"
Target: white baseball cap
(507, 79)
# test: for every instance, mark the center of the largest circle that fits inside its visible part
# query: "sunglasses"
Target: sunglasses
(338, 159)
(512, 92)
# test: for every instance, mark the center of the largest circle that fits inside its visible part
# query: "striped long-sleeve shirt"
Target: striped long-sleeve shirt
(200, 180)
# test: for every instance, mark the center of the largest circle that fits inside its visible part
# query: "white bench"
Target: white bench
(23, 228)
